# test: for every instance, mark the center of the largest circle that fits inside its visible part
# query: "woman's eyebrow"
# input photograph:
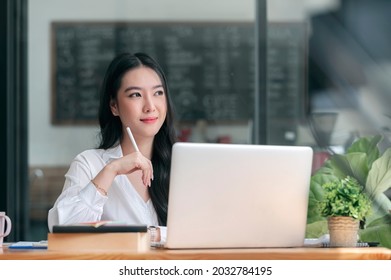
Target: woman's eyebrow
(132, 88)
(139, 88)
(157, 86)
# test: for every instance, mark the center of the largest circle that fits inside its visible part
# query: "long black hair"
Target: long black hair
(111, 126)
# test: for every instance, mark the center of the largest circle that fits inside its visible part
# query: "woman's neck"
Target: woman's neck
(144, 145)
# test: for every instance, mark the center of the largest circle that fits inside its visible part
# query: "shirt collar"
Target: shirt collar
(112, 153)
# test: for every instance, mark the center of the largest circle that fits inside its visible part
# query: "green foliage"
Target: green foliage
(372, 170)
(344, 197)
(378, 231)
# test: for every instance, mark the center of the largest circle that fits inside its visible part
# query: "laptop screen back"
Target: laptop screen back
(238, 196)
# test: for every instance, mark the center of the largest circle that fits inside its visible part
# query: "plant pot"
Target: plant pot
(343, 231)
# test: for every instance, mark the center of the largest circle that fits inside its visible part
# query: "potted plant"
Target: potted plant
(364, 162)
(344, 204)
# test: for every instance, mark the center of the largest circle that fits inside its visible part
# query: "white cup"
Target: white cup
(4, 220)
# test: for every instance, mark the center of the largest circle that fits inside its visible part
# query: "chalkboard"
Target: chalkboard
(209, 66)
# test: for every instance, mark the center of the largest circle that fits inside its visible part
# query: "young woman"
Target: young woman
(114, 181)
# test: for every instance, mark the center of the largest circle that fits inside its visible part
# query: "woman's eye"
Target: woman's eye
(159, 92)
(135, 94)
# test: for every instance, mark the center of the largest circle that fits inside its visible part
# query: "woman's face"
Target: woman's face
(141, 102)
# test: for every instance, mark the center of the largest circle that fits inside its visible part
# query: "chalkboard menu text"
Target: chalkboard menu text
(209, 66)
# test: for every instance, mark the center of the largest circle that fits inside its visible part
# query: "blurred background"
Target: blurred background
(278, 72)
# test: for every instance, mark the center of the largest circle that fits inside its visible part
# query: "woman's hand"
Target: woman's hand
(133, 162)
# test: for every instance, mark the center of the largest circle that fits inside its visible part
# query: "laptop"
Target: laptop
(238, 196)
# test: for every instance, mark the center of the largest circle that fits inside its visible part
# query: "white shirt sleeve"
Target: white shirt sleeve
(79, 201)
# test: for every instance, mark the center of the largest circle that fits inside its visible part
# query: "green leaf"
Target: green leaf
(381, 206)
(322, 176)
(313, 213)
(316, 229)
(367, 145)
(319, 179)
(378, 231)
(379, 177)
(353, 164)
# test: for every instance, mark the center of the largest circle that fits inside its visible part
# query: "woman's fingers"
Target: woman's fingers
(138, 162)
(147, 178)
(147, 170)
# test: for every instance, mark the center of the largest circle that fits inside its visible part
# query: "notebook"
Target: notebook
(238, 196)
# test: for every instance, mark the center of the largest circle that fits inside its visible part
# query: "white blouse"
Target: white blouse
(80, 201)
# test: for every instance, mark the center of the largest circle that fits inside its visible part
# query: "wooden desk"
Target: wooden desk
(206, 254)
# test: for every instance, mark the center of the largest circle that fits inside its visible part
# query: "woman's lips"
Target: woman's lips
(149, 120)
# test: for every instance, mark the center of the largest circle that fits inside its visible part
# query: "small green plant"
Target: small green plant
(344, 197)
(364, 162)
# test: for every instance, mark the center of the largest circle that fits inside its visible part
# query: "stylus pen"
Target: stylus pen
(132, 139)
